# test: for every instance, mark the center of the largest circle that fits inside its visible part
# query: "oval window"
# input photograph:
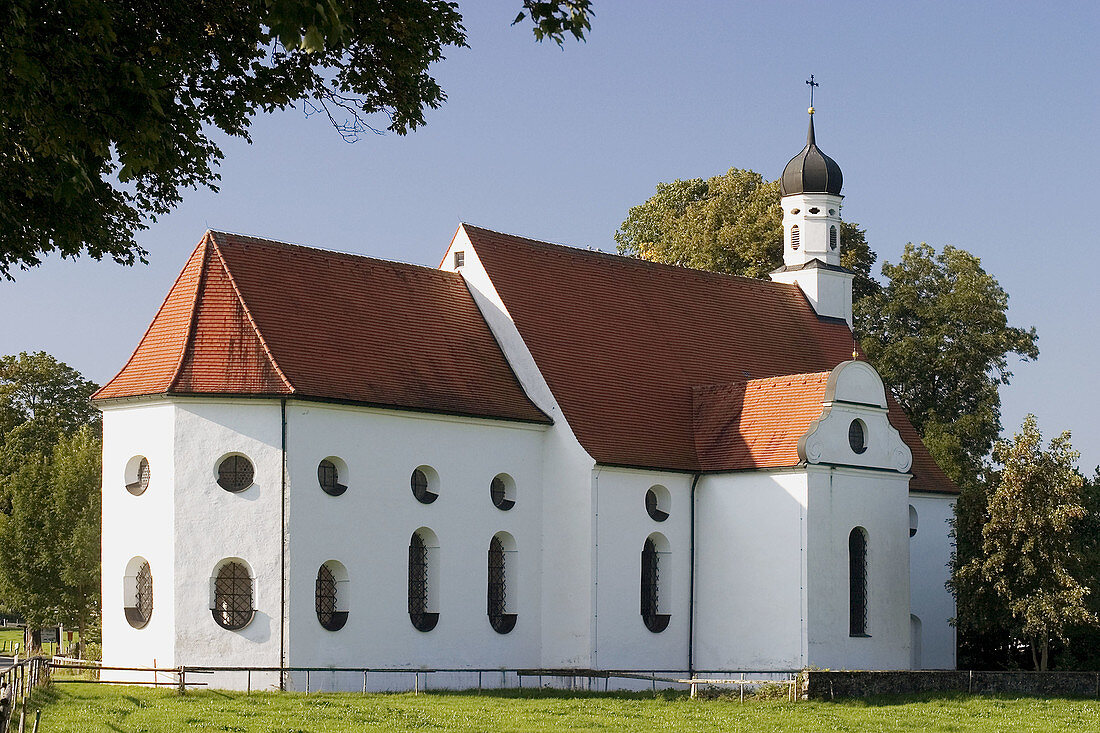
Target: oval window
(139, 592)
(424, 483)
(137, 475)
(502, 490)
(328, 475)
(857, 436)
(656, 503)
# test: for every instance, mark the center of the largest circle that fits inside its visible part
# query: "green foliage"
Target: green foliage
(732, 223)
(88, 708)
(110, 109)
(1031, 562)
(938, 334)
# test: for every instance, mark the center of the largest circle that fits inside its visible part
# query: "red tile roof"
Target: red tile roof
(624, 343)
(756, 423)
(251, 316)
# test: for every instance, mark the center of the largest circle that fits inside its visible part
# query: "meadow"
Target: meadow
(88, 707)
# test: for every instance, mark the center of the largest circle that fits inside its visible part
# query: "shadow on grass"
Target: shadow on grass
(953, 698)
(551, 693)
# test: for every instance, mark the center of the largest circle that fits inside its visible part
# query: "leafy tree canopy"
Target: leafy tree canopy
(731, 223)
(108, 108)
(1030, 552)
(938, 334)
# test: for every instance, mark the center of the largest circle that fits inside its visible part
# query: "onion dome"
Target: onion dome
(811, 171)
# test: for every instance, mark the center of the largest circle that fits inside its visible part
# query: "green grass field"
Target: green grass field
(85, 708)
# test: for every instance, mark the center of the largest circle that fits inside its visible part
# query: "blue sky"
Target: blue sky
(971, 124)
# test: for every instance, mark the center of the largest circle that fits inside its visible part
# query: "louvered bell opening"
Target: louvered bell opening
(794, 237)
(833, 238)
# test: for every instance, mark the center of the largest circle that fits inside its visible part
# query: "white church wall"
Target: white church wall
(929, 554)
(568, 597)
(138, 526)
(214, 525)
(840, 500)
(622, 640)
(750, 612)
(369, 526)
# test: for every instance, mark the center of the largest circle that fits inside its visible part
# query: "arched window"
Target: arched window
(328, 475)
(232, 607)
(857, 582)
(425, 484)
(794, 237)
(421, 585)
(912, 520)
(137, 475)
(651, 594)
(138, 584)
(832, 238)
(502, 490)
(235, 473)
(498, 604)
(329, 600)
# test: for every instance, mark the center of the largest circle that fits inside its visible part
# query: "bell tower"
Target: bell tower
(810, 189)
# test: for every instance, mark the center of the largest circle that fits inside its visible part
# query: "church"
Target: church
(531, 457)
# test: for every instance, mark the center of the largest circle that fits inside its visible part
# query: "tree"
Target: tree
(1029, 554)
(938, 334)
(50, 543)
(732, 223)
(108, 108)
(41, 400)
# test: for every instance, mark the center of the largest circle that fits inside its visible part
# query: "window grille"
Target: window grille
(329, 478)
(137, 488)
(653, 506)
(497, 601)
(794, 237)
(857, 582)
(498, 490)
(139, 614)
(326, 598)
(235, 473)
(651, 579)
(832, 238)
(233, 596)
(460, 259)
(421, 618)
(420, 490)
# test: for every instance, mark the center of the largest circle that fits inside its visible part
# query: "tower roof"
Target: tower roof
(811, 171)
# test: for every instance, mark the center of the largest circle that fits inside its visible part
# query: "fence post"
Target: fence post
(182, 682)
(364, 682)
(37, 717)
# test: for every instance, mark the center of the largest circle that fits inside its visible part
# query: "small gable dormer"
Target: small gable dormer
(853, 428)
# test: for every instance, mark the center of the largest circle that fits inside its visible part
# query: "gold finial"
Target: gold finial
(810, 110)
(855, 355)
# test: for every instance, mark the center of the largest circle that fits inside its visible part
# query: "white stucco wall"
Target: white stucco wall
(368, 528)
(213, 524)
(622, 640)
(841, 499)
(750, 608)
(930, 552)
(138, 526)
(568, 525)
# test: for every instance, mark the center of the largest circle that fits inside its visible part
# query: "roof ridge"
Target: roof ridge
(279, 244)
(160, 310)
(189, 339)
(777, 378)
(251, 319)
(633, 261)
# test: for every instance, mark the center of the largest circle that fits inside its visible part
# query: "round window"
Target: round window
(502, 492)
(235, 473)
(656, 503)
(424, 482)
(328, 475)
(857, 436)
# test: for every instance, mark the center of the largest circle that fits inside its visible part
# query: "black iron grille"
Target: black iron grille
(235, 473)
(233, 596)
(145, 591)
(327, 614)
(654, 621)
(857, 583)
(497, 600)
(418, 585)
